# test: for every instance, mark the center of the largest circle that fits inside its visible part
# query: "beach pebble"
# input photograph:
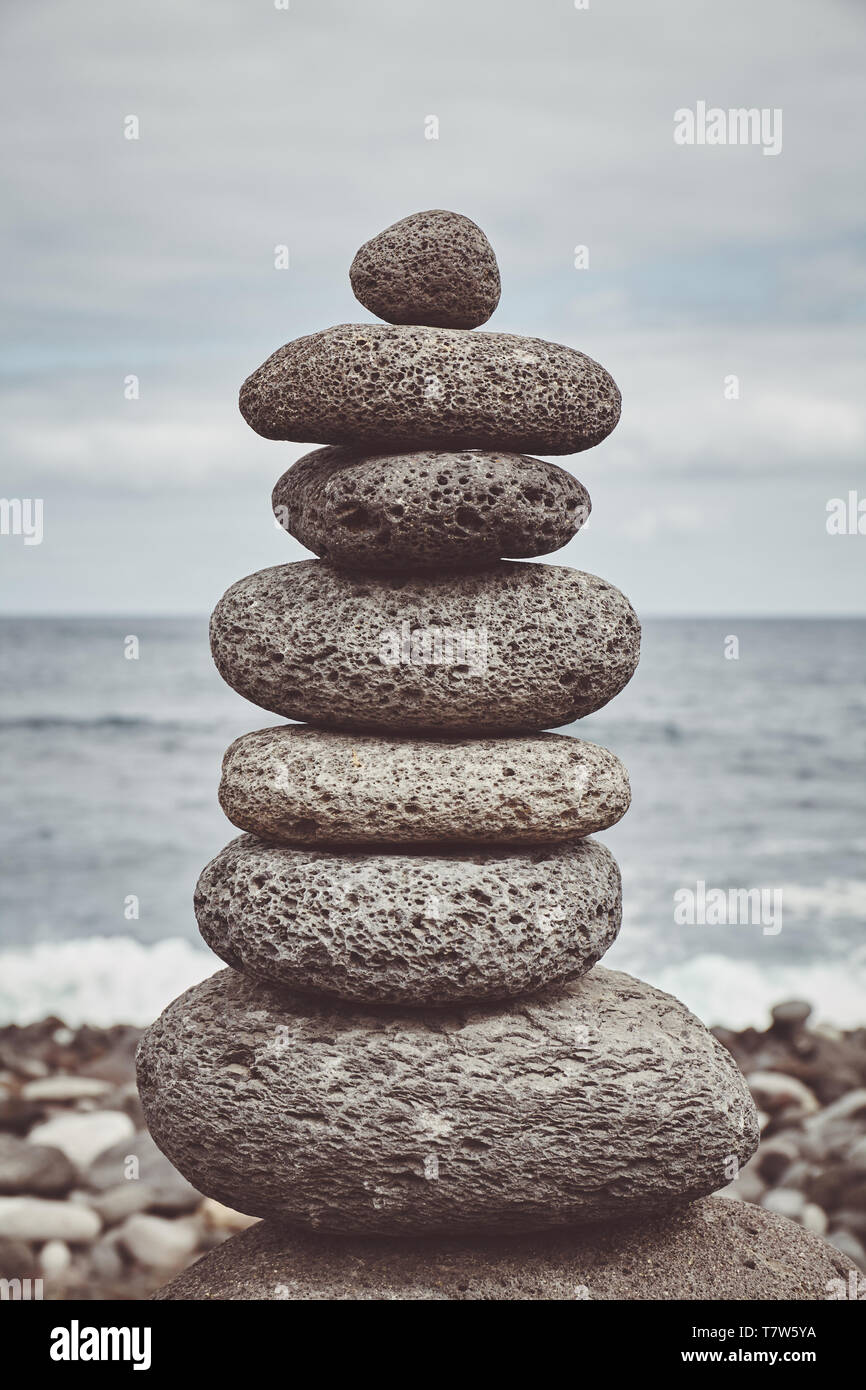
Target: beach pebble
(36, 1168)
(122, 1201)
(774, 1091)
(33, 1218)
(18, 1116)
(138, 1164)
(380, 387)
(157, 1242)
(838, 1185)
(55, 1259)
(748, 1186)
(83, 1137)
(219, 1218)
(849, 1109)
(849, 1245)
(851, 1220)
(589, 1103)
(791, 1014)
(105, 1260)
(410, 928)
(799, 1174)
(776, 1155)
(711, 1250)
(65, 1088)
(17, 1259)
(785, 1201)
(426, 510)
(814, 1218)
(434, 267)
(22, 1063)
(317, 787)
(510, 649)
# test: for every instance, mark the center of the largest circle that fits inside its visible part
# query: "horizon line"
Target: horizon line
(645, 617)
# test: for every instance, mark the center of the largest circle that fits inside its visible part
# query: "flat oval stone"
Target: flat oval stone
(389, 387)
(513, 648)
(428, 509)
(713, 1249)
(433, 267)
(600, 1100)
(417, 929)
(307, 786)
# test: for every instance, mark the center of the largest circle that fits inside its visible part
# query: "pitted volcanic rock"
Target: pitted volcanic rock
(513, 648)
(433, 267)
(428, 509)
(603, 1099)
(417, 929)
(712, 1250)
(382, 387)
(316, 787)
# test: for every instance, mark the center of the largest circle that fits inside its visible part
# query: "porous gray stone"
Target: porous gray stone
(514, 648)
(434, 267)
(305, 786)
(413, 929)
(712, 1250)
(604, 1099)
(380, 386)
(428, 509)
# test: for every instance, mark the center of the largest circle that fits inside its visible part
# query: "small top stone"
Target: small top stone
(435, 268)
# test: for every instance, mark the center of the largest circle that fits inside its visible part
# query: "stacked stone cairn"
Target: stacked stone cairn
(413, 1039)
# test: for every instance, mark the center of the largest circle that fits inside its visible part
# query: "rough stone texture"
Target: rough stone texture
(434, 267)
(400, 387)
(411, 929)
(711, 1250)
(531, 647)
(428, 510)
(305, 786)
(601, 1100)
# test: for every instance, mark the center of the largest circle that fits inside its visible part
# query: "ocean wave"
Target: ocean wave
(41, 722)
(740, 994)
(98, 980)
(107, 980)
(834, 898)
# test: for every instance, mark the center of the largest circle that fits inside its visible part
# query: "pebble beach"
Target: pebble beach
(93, 1210)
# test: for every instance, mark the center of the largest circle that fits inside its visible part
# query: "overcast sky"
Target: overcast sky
(260, 126)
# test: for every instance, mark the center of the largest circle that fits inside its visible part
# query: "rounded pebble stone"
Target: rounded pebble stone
(711, 1250)
(509, 649)
(597, 1101)
(428, 509)
(388, 387)
(307, 786)
(434, 267)
(417, 929)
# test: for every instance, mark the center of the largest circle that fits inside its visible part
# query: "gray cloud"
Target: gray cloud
(260, 126)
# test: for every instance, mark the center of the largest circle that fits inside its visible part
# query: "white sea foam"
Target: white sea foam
(105, 980)
(738, 993)
(834, 898)
(99, 980)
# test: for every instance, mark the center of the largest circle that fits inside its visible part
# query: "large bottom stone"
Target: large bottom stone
(714, 1249)
(600, 1100)
(419, 929)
